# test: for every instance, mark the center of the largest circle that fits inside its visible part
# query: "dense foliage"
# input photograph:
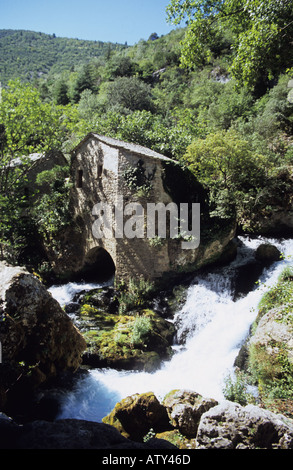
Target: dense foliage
(234, 135)
(28, 126)
(30, 54)
(261, 34)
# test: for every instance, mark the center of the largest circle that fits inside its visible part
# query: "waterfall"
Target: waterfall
(65, 293)
(211, 327)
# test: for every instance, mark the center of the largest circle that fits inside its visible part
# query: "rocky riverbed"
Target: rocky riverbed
(41, 345)
(184, 420)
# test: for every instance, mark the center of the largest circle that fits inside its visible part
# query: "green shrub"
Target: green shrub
(140, 329)
(272, 373)
(236, 389)
(134, 295)
(88, 310)
(281, 294)
(286, 274)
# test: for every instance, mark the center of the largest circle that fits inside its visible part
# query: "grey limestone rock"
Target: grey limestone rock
(231, 426)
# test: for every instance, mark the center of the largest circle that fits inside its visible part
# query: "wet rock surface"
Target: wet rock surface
(38, 338)
(141, 421)
(69, 434)
(231, 426)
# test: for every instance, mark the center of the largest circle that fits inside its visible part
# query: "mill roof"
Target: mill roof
(135, 148)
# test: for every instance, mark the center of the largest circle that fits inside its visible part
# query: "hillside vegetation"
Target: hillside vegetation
(30, 55)
(236, 137)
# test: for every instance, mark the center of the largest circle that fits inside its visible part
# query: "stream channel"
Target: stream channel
(212, 325)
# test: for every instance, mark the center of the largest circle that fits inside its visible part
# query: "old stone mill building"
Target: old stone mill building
(126, 179)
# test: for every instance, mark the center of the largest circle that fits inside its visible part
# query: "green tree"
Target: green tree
(61, 92)
(84, 81)
(51, 212)
(224, 163)
(88, 105)
(27, 125)
(223, 157)
(169, 137)
(120, 66)
(230, 105)
(169, 92)
(263, 32)
(269, 125)
(130, 93)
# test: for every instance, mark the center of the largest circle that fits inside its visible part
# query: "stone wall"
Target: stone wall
(112, 172)
(97, 183)
(137, 256)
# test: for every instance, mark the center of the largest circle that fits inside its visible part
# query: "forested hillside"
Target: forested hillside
(30, 55)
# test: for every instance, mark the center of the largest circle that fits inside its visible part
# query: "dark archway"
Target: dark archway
(98, 266)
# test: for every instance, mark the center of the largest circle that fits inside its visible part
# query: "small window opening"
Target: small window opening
(100, 170)
(79, 178)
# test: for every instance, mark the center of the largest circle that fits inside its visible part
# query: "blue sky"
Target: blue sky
(102, 20)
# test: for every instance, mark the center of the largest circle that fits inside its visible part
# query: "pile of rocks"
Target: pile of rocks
(184, 420)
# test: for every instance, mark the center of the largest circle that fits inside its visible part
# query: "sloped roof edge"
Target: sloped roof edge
(135, 148)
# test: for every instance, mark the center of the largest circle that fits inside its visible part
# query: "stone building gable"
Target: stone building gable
(119, 144)
(106, 170)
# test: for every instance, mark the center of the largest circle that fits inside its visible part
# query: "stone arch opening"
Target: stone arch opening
(98, 265)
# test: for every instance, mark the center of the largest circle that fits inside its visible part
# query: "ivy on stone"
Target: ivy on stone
(138, 180)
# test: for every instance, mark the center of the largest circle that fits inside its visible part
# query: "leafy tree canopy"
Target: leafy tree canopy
(262, 34)
(130, 93)
(224, 163)
(31, 54)
(27, 125)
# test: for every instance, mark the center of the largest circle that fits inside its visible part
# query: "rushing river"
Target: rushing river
(213, 322)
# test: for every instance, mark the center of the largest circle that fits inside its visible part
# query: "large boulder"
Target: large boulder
(135, 341)
(137, 414)
(38, 338)
(268, 253)
(185, 408)
(275, 327)
(178, 416)
(231, 426)
(69, 434)
(271, 345)
(190, 421)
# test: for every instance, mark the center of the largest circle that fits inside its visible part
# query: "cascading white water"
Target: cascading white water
(214, 326)
(65, 293)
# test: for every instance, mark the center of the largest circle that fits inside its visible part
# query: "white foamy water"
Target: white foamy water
(214, 326)
(65, 293)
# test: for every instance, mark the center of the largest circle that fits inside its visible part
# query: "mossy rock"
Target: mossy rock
(185, 408)
(104, 298)
(131, 342)
(177, 439)
(93, 318)
(271, 348)
(267, 253)
(136, 415)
